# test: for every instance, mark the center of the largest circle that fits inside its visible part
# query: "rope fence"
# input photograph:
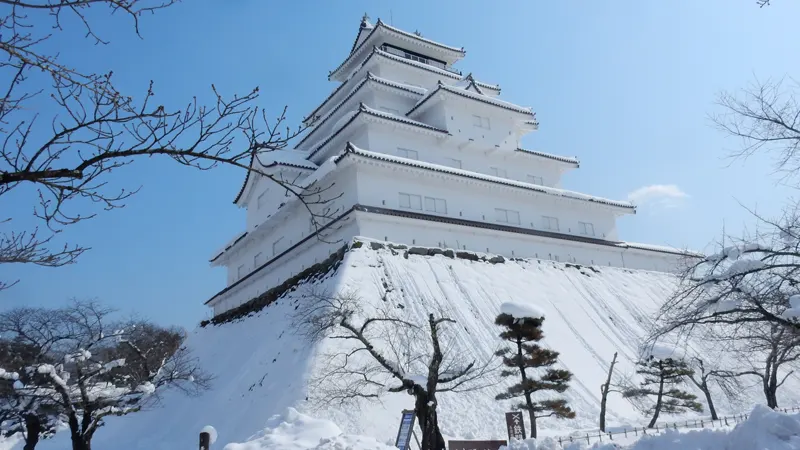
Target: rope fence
(598, 436)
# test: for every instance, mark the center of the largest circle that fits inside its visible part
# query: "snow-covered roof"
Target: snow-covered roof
(352, 149)
(453, 53)
(564, 159)
(522, 310)
(470, 95)
(659, 248)
(364, 109)
(287, 158)
(227, 246)
(369, 77)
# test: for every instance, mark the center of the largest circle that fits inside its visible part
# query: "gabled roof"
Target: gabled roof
(274, 158)
(473, 96)
(564, 159)
(364, 110)
(352, 149)
(369, 77)
(381, 27)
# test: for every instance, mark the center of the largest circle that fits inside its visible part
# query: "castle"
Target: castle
(407, 149)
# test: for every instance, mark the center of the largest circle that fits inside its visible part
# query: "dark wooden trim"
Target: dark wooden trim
(414, 53)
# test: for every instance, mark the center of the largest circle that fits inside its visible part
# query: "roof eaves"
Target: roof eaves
(565, 159)
(488, 100)
(460, 51)
(488, 178)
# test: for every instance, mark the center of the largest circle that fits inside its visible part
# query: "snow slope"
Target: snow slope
(261, 365)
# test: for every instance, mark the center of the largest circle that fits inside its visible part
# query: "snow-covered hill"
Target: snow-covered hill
(261, 366)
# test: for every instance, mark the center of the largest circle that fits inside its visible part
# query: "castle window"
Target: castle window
(416, 58)
(506, 216)
(549, 223)
(481, 122)
(438, 205)
(410, 201)
(407, 153)
(452, 162)
(389, 110)
(240, 271)
(258, 260)
(586, 228)
(535, 180)
(277, 246)
(498, 172)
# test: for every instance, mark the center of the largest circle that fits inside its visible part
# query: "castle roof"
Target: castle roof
(447, 89)
(286, 158)
(564, 159)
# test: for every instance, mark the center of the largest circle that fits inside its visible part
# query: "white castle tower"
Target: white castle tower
(409, 150)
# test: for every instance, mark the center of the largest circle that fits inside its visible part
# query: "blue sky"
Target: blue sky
(625, 86)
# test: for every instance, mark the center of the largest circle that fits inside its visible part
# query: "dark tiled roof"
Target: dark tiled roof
(565, 159)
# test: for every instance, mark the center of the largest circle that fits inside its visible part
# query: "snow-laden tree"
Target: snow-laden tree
(84, 367)
(381, 351)
(662, 374)
(750, 280)
(533, 365)
(706, 372)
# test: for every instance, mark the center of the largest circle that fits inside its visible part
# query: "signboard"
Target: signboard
(475, 445)
(406, 428)
(515, 425)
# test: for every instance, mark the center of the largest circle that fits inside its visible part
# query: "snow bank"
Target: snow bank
(520, 310)
(261, 367)
(664, 352)
(296, 431)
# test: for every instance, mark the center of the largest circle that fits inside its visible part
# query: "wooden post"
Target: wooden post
(205, 441)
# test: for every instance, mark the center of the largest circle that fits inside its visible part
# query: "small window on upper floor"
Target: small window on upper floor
(437, 205)
(417, 58)
(481, 122)
(498, 172)
(410, 201)
(240, 272)
(453, 162)
(535, 180)
(277, 246)
(389, 110)
(262, 199)
(506, 216)
(586, 228)
(550, 223)
(406, 153)
(258, 260)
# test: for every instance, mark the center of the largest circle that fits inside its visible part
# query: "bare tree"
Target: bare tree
(725, 379)
(605, 388)
(382, 352)
(65, 160)
(771, 352)
(86, 367)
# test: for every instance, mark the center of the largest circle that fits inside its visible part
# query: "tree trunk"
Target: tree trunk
(707, 392)
(604, 394)
(425, 409)
(531, 414)
(657, 408)
(78, 440)
(33, 429)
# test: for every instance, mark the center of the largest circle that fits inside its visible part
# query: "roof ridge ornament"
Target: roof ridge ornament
(364, 20)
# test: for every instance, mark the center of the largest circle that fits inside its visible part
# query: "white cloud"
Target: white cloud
(658, 195)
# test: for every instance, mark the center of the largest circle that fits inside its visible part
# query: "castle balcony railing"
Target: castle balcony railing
(418, 58)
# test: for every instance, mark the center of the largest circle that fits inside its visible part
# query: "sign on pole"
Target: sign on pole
(515, 425)
(406, 428)
(475, 445)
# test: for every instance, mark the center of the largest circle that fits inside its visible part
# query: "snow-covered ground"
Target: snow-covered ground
(261, 366)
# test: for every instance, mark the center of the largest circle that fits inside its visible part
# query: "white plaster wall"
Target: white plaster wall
(290, 226)
(305, 256)
(433, 234)
(473, 200)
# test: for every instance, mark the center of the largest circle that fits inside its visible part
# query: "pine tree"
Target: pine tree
(525, 355)
(661, 380)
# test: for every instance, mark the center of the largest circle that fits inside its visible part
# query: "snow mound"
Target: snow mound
(665, 352)
(296, 431)
(520, 310)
